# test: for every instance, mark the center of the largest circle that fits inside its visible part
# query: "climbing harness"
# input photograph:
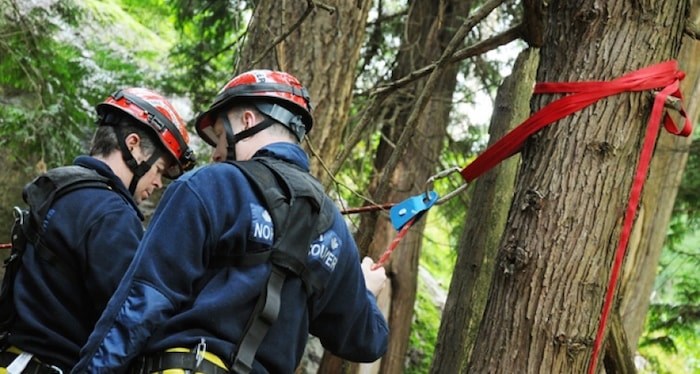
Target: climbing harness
(300, 213)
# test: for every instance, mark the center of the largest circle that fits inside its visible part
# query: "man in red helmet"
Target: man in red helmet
(244, 257)
(85, 228)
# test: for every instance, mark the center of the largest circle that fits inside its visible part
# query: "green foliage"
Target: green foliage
(209, 34)
(154, 15)
(686, 215)
(56, 69)
(357, 173)
(41, 82)
(438, 255)
(672, 331)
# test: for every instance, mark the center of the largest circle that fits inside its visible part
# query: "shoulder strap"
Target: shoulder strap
(300, 213)
(43, 190)
(40, 195)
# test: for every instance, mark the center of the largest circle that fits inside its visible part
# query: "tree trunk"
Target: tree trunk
(563, 226)
(659, 196)
(322, 52)
(429, 27)
(482, 232)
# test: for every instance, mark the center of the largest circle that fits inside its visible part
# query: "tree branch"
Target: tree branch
(224, 49)
(381, 93)
(425, 94)
(473, 50)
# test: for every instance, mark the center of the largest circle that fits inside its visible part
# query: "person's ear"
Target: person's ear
(132, 141)
(249, 119)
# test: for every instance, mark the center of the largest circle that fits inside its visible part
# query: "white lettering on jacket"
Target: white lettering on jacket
(261, 228)
(325, 249)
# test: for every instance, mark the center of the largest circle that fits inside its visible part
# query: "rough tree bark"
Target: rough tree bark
(486, 219)
(321, 51)
(564, 223)
(659, 196)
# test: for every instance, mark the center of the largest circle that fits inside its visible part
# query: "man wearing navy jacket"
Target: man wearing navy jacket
(185, 306)
(89, 235)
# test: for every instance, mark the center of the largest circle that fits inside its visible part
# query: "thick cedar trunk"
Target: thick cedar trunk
(571, 192)
(482, 232)
(659, 195)
(322, 52)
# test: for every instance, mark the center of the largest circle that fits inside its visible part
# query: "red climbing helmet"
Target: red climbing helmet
(277, 94)
(154, 111)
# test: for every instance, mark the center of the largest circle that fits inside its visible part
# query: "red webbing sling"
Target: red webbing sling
(664, 76)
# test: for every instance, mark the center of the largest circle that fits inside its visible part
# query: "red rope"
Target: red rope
(6, 246)
(394, 243)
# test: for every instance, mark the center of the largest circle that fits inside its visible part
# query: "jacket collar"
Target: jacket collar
(103, 169)
(289, 152)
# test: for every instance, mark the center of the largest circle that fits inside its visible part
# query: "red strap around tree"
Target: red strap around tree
(582, 95)
(664, 76)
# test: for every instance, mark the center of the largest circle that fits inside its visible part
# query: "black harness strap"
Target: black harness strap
(300, 212)
(40, 195)
(264, 316)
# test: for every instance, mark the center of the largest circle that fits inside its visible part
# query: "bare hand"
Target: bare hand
(374, 279)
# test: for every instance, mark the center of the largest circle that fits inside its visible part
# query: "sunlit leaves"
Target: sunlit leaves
(210, 33)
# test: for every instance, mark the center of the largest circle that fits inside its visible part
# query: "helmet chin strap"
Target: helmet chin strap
(138, 169)
(232, 139)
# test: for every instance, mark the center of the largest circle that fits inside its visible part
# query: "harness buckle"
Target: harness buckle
(199, 352)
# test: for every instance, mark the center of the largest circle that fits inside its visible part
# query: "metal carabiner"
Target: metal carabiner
(443, 174)
(19, 217)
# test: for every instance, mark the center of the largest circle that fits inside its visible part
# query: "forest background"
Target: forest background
(60, 58)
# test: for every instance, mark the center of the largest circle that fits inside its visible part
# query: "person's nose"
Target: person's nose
(218, 155)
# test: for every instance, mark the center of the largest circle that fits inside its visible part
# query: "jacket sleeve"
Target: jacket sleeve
(167, 263)
(125, 334)
(346, 319)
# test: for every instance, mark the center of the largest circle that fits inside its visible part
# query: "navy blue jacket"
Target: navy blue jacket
(95, 233)
(172, 297)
